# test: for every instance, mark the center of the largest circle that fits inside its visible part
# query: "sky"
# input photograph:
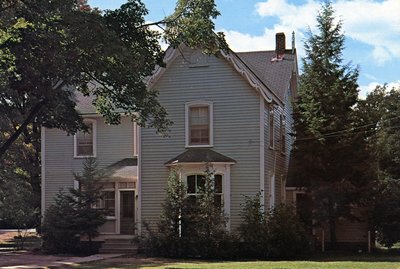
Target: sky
(371, 27)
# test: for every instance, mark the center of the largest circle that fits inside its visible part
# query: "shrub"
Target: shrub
(275, 233)
(190, 227)
(287, 236)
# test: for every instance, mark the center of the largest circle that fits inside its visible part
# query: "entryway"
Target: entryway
(127, 211)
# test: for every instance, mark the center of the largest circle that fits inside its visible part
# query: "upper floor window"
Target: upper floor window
(271, 126)
(199, 124)
(85, 141)
(195, 183)
(283, 133)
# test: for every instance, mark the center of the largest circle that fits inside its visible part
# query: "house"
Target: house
(233, 112)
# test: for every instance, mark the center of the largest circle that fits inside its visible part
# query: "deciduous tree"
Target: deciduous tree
(52, 50)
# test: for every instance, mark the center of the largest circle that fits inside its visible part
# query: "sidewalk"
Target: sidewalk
(25, 259)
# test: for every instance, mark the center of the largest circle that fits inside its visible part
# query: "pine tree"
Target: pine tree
(326, 154)
(73, 212)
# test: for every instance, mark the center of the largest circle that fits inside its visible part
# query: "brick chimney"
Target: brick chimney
(280, 44)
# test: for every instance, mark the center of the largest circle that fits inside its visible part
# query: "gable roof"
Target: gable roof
(274, 74)
(270, 78)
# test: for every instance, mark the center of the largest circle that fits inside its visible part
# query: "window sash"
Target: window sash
(199, 125)
(283, 133)
(84, 141)
(271, 127)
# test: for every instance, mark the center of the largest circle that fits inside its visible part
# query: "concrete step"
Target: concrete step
(123, 246)
(118, 251)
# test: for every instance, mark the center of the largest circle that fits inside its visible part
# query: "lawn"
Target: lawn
(369, 262)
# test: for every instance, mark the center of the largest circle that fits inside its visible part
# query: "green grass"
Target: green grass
(368, 262)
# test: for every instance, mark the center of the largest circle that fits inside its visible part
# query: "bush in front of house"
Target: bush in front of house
(195, 227)
(73, 214)
(273, 233)
(190, 226)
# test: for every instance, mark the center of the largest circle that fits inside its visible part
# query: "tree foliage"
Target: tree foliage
(52, 50)
(275, 233)
(379, 113)
(190, 227)
(20, 180)
(328, 155)
(73, 214)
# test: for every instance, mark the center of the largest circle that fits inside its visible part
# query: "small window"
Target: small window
(283, 133)
(283, 188)
(195, 183)
(271, 126)
(107, 202)
(199, 124)
(85, 142)
(272, 190)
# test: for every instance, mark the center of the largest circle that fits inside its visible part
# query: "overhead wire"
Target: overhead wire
(350, 131)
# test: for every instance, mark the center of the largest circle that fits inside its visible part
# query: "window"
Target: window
(283, 133)
(283, 188)
(199, 124)
(85, 142)
(195, 184)
(107, 202)
(271, 126)
(272, 190)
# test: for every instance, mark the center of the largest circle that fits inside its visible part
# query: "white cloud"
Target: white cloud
(370, 22)
(365, 89)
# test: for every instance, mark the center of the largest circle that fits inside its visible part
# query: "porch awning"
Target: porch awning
(200, 155)
(125, 169)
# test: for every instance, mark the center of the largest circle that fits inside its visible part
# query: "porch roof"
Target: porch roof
(124, 169)
(200, 155)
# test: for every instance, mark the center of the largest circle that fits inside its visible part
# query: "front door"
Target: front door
(127, 212)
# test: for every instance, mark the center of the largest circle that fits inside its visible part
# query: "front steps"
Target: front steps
(118, 246)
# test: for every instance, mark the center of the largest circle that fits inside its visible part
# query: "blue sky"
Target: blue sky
(372, 29)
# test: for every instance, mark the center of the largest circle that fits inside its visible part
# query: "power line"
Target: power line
(352, 129)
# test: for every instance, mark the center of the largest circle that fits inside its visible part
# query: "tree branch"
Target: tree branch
(23, 126)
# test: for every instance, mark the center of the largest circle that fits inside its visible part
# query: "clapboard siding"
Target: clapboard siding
(114, 142)
(236, 130)
(276, 161)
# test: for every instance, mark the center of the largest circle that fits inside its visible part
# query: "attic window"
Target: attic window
(198, 59)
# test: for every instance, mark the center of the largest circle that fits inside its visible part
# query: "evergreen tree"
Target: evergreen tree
(74, 212)
(326, 154)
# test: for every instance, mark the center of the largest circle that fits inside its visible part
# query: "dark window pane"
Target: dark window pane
(191, 182)
(201, 180)
(218, 183)
(218, 200)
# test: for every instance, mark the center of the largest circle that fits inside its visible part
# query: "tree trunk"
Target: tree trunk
(35, 110)
(332, 233)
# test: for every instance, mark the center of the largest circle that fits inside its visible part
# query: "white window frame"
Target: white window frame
(102, 203)
(94, 131)
(272, 190)
(197, 194)
(271, 133)
(211, 124)
(223, 169)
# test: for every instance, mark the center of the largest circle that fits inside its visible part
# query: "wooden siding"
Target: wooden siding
(114, 142)
(275, 160)
(236, 130)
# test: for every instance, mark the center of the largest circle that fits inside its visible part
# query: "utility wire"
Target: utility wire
(352, 129)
